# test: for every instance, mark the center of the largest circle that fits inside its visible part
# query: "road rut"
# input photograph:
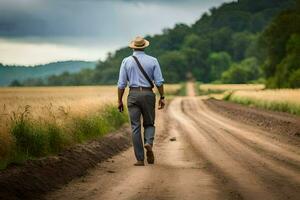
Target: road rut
(210, 157)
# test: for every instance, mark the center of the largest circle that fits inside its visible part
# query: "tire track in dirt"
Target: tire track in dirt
(270, 172)
(283, 155)
(237, 179)
(271, 141)
(283, 162)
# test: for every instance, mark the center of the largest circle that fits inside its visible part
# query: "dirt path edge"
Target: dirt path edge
(37, 177)
(275, 122)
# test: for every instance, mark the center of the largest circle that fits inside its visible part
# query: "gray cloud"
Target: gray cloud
(84, 17)
(96, 24)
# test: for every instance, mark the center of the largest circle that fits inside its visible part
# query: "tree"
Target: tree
(281, 40)
(240, 42)
(294, 80)
(218, 62)
(221, 39)
(285, 72)
(173, 66)
(248, 70)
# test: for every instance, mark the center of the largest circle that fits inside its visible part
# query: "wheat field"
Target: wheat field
(231, 87)
(286, 100)
(44, 101)
(39, 107)
(58, 115)
(282, 95)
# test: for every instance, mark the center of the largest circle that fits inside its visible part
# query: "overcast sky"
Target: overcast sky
(41, 31)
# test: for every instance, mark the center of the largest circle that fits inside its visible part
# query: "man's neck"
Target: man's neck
(137, 52)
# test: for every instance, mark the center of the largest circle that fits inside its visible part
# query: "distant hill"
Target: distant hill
(21, 73)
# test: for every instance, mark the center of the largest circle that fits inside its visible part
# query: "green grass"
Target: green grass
(227, 96)
(36, 138)
(182, 90)
(281, 106)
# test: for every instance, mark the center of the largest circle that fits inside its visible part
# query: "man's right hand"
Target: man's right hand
(121, 106)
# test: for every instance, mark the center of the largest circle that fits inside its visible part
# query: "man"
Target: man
(140, 71)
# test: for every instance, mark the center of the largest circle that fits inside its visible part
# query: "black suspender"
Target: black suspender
(143, 71)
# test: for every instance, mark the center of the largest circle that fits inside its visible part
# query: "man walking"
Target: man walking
(140, 71)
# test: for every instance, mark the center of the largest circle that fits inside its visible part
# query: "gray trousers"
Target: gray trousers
(141, 104)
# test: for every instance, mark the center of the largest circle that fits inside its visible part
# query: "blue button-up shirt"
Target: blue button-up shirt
(131, 74)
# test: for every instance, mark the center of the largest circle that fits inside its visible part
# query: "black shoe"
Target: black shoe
(149, 153)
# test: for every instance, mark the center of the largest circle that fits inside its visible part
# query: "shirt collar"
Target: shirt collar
(138, 53)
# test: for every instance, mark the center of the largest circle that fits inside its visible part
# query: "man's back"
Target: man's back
(130, 72)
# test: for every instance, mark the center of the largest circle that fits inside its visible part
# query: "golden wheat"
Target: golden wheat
(77, 100)
(61, 115)
(291, 96)
(46, 102)
(172, 88)
(225, 87)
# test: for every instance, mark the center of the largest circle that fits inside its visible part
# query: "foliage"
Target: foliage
(244, 72)
(176, 64)
(219, 63)
(294, 79)
(182, 91)
(282, 41)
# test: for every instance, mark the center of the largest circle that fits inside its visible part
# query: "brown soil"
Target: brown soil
(274, 122)
(200, 154)
(38, 177)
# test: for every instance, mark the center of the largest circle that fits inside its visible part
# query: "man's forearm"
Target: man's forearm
(161, 90)
(120, 94)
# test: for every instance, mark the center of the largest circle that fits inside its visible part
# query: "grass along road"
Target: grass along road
(39, 121)
(284, 100)
(212, 158)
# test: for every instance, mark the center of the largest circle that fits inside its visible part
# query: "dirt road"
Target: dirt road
(212, 157)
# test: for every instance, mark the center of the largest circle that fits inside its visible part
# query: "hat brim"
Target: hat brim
(131, 45)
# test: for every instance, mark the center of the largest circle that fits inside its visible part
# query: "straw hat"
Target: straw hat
(139, 43)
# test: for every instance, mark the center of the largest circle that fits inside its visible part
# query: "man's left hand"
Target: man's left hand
(121, 106)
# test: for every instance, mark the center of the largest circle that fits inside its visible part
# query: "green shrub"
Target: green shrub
(227, 96)
(30, 138)
(56, 138)
(182, 91)
(106, 120)
(295, 79)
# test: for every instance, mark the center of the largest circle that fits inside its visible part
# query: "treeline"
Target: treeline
(282, 42)
(235, 43)
(84, 77)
